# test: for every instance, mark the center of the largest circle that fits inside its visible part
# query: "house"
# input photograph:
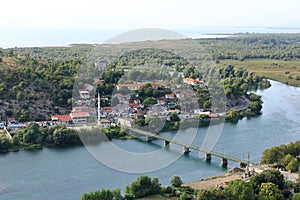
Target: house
(124, 122)
(80, 117)
(88, 87)
(169, 96)
(130, 86)
(96, 80)
(161, 102)
(80, 109)
(184, 116)
(180, 95)
(61, 119)
(137, 86)
(137, 101)
(105, 123)
(192, 81)
(84, 94)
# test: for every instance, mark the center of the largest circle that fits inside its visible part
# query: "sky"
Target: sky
(22, 17)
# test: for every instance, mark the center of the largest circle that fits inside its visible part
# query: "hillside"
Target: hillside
(37, 82)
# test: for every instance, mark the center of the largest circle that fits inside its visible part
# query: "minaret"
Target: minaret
(98, 107)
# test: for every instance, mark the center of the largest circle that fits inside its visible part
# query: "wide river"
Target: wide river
(66, 173)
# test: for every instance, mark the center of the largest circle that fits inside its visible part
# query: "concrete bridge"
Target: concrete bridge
(188, 147)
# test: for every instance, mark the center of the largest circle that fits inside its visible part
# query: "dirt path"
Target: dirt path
(214, 182)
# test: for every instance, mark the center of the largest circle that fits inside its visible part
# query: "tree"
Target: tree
(174, 117)
(271, 155)
(255, 107)
(32, 134)
(240, 190)
(142, 187)
(103, 194)
(296, 196)
(293, 165)
(65, 136)
(286, 160)
(272, 176)
(269, 191)
(4, 142)
(254, 97)
(185, 196)
(114, 101)
(234, 114)
(175, 181)
(149, 101)
(213, 194)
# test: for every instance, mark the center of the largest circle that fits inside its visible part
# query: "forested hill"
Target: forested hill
(33, 89)
(38, 81)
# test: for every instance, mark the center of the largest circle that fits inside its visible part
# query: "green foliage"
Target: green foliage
(285, 155)
(212, 194)
(269, 191)
(142, 187)
(5, 143)
(103, 194)
(239, 190)
(255, 107)
(272, 155)
(56, 135)
(175, 181)
(272, 176)
(293, 165)
(296, 196)
(233, 115)
(65, 136)
(149, 101)
(254, 97)
(174, 117)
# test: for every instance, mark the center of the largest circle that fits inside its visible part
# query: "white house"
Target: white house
(105, 123)
(84, 94)
(80, 117)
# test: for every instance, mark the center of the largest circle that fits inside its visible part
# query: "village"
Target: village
(87, 110)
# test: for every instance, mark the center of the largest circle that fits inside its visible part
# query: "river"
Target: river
(66, 173)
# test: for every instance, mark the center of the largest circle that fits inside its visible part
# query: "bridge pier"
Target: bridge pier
(224, 162)
(208, 157)
(167, 143)
(186, 149)
(148, 138)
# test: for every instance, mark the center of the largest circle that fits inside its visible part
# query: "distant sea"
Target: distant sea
(52, 37)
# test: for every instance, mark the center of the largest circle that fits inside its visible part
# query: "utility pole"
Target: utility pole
(248, 162)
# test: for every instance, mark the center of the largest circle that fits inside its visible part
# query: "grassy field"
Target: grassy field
(287, 72)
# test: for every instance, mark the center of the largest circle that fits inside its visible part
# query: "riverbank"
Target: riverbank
(217, 181)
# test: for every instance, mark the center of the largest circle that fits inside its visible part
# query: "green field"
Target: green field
(287, 72)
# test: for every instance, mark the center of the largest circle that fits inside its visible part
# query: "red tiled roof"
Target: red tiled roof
(62, 118)
(105, 121)
(86, 85)
(131, 85)
(79, 114)
(118, 95)
(98, 80)
(169, 95)
(80, 108)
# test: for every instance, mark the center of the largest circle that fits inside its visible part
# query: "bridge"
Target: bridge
(187, 147)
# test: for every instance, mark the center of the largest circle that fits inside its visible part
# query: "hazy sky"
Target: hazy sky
(132, 14)
(62, 22)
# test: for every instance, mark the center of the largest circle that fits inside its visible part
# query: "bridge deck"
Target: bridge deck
(214, 153)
